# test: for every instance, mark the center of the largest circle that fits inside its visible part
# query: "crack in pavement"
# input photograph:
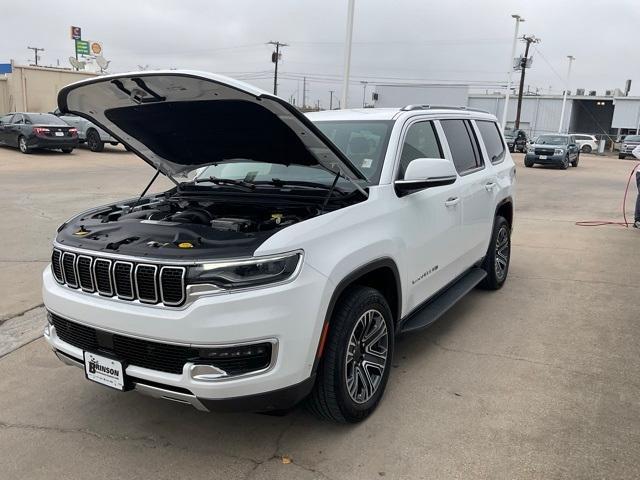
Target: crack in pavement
(11, 316)
(594, 376)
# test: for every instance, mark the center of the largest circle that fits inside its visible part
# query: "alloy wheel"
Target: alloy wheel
(23, 145)
(502, 253)
(366, 358)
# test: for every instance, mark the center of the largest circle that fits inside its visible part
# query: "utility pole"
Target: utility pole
(331, 99)
(364, 92)
(518, 20)
(529, 39)
(347, 54)
(304, 91)
(566, 92)
(35, 52)
(275, 58)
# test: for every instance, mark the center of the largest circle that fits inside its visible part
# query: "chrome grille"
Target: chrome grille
(145, 282)
(85, 277)
(69, 269)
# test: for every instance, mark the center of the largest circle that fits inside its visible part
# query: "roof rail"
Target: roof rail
(410, 108)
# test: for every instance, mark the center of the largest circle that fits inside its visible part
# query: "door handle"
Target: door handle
(489, 186)
(452, 201)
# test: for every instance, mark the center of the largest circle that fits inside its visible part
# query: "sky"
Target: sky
(394, 41)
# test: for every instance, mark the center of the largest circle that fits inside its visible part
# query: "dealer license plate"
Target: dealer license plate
(104, 370)
(59, 134)
(543, 157)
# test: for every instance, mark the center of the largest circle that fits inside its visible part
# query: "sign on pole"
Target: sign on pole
(95, 47)
(6, 68)
(76, 33)
(82, 48)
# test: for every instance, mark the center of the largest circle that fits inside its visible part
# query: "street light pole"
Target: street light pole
(347, 54)
(518, 19)
(364, 93)
(566, 89)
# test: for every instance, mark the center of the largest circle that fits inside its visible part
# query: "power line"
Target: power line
(528, 39)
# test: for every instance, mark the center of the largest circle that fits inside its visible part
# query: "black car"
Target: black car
(28, 131)
(560, 150)
(516, 140)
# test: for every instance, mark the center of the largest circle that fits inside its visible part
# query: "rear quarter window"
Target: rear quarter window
(463, 145)
(492, 140)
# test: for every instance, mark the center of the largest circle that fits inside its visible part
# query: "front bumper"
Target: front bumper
(549, 160)
(291, 315)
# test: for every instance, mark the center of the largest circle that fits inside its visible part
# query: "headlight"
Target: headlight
(558, 151)
(246, 273)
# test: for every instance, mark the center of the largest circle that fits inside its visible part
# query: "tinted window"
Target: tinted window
(421, 141)
(44, 119)
(491, 137)
(632, 138)
(364, 143)
(463, 144)
(553, 140)
(17, 118)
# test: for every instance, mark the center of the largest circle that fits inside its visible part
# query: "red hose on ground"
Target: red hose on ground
(599, 223)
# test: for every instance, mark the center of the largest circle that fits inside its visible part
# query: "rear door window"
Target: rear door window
(463, 145)
(492, 140)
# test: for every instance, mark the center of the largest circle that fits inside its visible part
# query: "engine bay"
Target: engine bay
(175, 226)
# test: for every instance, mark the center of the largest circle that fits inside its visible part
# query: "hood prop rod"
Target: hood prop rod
(144, 192)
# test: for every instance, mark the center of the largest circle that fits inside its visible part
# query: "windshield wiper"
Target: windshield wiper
(297, 183)
(246, 186)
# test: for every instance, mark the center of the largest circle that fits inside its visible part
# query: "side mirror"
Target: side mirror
(425, 173)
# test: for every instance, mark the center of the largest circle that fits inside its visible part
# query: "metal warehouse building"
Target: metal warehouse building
(590, 114)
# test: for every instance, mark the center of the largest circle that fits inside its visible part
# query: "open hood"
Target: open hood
(179, 120)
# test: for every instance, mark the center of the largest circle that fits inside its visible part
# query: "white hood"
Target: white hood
(179, 120)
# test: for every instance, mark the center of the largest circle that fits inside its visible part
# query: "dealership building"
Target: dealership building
(603, 115)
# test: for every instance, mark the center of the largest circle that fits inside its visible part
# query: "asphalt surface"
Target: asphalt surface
(537, 380)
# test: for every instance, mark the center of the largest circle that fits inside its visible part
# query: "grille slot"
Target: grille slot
(147, 282)
(146, 287)
(69, 269)
(85, 278)
(161, 356)
(123, 279)
(172, 285)
(102, 274)
(56, 267)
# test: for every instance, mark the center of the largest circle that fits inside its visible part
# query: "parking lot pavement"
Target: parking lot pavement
(537, 380)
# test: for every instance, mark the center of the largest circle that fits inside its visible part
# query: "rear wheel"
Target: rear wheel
(94, 142)
(586, 149)
(22, 145)
(496, 262)
(353, 372)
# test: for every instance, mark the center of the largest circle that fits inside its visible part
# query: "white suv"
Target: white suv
(291, 251)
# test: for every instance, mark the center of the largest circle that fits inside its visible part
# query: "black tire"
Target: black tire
(22, 145)
(332, 398)
(66, 150)
(498, 257)
(622, 156)
(94, 142)
(586, 149)
(528, 163)
(565, 162)
(575, 162)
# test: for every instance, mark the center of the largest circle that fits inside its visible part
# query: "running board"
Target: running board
(443, 301)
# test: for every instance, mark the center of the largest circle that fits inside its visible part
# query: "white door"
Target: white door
(477, 189)
(432, 218)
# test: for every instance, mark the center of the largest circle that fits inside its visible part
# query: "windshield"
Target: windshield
(364, 143)
(632, 138)
(253, 172)
(44, 119)
(552, 140)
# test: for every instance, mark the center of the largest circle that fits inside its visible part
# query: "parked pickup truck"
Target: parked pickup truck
(88, 133)
(290, 252)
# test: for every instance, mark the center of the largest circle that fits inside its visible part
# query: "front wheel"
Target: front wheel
(528, 163)
(565, 162)
(496, 262)
(357, 356)
(22, 145)
(622, 156)
(575, 162)
(66, 150)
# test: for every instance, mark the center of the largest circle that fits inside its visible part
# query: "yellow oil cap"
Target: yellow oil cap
(185, 245)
